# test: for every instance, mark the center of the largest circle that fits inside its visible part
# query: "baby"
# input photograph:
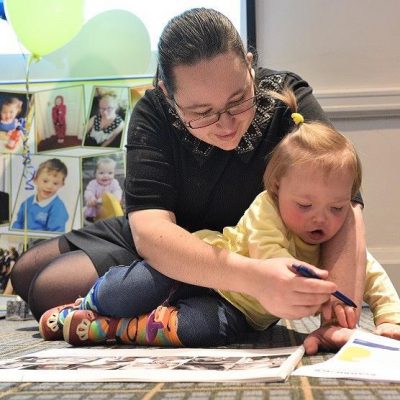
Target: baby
(104, 182)
(9, 123)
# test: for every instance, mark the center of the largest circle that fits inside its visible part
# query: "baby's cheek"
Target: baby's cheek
(338, 223)
(293, 219)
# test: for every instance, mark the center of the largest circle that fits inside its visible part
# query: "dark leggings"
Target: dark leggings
(52, 273)
(204, 317)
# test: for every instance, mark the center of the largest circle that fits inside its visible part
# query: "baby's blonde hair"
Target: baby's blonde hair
(310, 142)
(105, 161)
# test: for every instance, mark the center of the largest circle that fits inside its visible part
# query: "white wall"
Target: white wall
(349, 51)
(337, 44)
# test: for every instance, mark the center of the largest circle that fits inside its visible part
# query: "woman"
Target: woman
(105, 128)
(196, 154)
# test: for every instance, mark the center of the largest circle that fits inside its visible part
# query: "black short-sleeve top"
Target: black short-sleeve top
(204, 186)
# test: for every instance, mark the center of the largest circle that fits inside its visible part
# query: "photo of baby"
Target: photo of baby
(47, 198)
(107, 119)
(102, 181)
(13, 109)
(59, 118)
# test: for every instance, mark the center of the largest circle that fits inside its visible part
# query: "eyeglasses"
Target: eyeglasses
(208, 120)
(106, 109)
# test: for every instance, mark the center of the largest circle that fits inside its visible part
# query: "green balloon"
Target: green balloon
(43, 26)
(112, 43)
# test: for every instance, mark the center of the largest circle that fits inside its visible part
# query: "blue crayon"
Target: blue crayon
(309, 273)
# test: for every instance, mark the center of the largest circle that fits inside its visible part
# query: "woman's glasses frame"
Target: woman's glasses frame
(207, 120)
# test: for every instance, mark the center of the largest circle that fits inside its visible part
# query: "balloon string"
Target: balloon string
(28, 170)
(29, 98)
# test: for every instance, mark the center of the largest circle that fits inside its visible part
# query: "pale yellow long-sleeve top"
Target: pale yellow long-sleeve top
(261, 234)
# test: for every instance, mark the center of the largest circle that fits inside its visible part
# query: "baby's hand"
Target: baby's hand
(340, 314)
(389, 330)
(92, 202)
(328, 338)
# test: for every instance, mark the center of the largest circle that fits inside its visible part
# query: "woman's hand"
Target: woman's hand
(344, 256)
(284, 293)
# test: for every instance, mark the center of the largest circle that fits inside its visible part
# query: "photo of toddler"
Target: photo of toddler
(103, 182)
(59, 118)
(58, 114)
(44, 210)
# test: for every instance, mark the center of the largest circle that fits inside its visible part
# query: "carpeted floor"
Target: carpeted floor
(22, 337)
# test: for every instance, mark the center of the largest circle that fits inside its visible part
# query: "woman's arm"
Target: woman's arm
(344, 256)
(180, 255)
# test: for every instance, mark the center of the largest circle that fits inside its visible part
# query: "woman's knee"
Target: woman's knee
(31, 262)
(129, 291)
(61, 281)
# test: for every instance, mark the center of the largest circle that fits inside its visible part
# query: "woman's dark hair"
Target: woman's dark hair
(195, 35)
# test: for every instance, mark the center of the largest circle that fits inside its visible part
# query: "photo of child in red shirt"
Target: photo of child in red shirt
(58, 114)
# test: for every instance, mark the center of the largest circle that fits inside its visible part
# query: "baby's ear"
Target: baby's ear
(275, 186)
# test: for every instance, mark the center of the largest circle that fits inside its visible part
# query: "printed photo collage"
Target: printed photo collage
(62, 159)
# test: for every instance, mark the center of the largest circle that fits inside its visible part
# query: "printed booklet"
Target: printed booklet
(365, 356)
(126, 364)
